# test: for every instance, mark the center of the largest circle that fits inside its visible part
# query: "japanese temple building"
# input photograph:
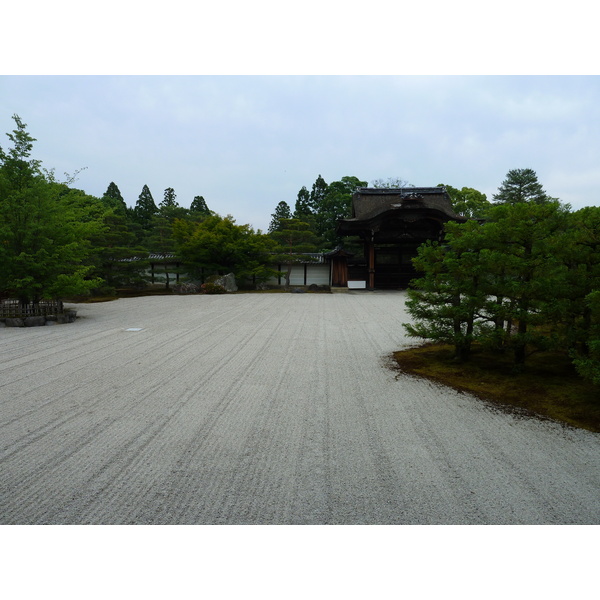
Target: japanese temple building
(392, 224)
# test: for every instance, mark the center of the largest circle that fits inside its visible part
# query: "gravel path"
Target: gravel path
(264, 409)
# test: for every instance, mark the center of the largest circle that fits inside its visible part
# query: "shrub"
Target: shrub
(212, 288)
(186, 288)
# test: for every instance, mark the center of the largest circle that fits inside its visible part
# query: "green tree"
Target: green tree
(169, 199)
(282, 211)
(199, 207)
(580, 250)
(45, 228)
(295, 244)
(446, 301)
(521, 185)
(113, 199)
(217, 246)
(317, 195)
(116, 255)
(302, 208)
(526, 270)
(335, 204)
(467, 201)
(588, 363)
(145, 208)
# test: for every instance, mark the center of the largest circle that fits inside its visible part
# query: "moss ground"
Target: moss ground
(548, 388)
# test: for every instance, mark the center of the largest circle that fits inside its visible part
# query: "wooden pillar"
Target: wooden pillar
(371, 264)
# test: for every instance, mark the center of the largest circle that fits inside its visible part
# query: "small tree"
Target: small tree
(295, 243)
(446, 301)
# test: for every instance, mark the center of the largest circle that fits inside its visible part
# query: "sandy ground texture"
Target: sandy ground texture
(264, 409)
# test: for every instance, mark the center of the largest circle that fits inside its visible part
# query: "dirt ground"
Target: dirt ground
(264, 409)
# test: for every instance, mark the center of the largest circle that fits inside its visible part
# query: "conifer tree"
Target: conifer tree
(295, 244)
(199, 206)
(282, 211)
(302, 207)
(521, 185)
(169, 199)
(113, 199)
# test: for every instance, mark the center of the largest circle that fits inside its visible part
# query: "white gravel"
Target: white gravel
(264, 409)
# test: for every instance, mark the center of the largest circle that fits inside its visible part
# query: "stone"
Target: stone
(228, 282)
(14, 322)
(35, 321)
(70, 315)
(298, 291)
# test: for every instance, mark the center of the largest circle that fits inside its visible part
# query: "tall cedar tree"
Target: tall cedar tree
(302, 208)
(113, 199)
(282, 211)
(145, 208)
(199, 207)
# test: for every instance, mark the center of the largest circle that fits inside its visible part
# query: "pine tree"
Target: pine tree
(521, 185)
(296, 242)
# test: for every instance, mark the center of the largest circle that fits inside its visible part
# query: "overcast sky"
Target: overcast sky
(247, 142)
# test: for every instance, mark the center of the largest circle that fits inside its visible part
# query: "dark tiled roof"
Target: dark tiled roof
(371, 202)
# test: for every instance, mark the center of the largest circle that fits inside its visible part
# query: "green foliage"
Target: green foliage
(335, 204)
(45, 228)
(521, 185)
(446, 300)
(145, 208)
(468, 201)
(505, 283)
(302, 208)
(295, 242)
(217, 245)
(282, 211)
(169, 199)
(199, 207)
(212, 288)
(113, 199)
